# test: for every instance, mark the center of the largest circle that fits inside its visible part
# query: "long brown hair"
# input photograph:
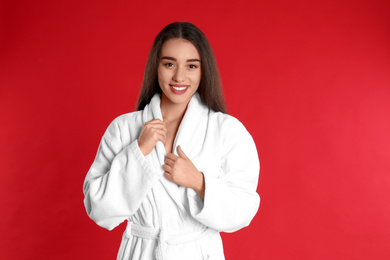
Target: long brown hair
(210, 87)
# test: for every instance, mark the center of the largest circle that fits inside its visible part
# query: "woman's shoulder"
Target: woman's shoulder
(229, 128)
(126, 118)
(124, 124)
(231, 132)
(226, 121)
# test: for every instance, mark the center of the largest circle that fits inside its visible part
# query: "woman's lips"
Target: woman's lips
(179, 89)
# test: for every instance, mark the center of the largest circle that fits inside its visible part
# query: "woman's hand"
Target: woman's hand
(180, 170)
(152, 132)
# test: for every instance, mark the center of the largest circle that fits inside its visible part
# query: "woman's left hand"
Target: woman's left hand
(180, 170)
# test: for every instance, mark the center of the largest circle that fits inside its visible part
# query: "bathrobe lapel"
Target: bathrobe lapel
(186, 134)
(196, 110)
(153, 111)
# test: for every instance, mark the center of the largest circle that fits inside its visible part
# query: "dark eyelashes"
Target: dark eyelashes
(170, 64)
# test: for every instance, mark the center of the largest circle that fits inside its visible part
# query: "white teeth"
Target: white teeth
(179, 88)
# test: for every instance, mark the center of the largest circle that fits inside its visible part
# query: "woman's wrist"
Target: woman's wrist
(200, 185)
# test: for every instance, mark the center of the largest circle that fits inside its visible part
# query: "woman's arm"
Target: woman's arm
(118, 180)
(230, 201)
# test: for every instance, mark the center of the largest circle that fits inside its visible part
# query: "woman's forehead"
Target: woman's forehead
(179, 49)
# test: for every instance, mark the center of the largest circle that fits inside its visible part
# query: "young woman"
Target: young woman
(179, 170)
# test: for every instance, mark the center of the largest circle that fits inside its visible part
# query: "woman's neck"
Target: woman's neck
(171, 111)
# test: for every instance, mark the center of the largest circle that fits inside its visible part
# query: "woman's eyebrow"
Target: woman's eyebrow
(168, 58)
(171, 58)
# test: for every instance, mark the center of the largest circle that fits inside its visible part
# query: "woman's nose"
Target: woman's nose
(179, 75)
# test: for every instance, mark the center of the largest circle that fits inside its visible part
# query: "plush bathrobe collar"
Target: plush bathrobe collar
(196, 111)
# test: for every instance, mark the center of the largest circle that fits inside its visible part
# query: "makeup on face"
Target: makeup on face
(179, 70)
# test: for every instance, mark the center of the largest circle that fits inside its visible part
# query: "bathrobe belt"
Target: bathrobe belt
(164, 237)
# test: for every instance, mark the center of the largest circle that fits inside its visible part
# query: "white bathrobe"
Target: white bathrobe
(165, 220)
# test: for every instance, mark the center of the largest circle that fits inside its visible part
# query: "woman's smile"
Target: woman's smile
(178, 89)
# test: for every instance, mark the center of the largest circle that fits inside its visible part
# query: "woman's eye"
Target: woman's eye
(168, 64)
(192, 66)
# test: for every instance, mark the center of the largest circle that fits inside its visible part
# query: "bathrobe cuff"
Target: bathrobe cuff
(225, 207)
(202, 209)
(147, 167)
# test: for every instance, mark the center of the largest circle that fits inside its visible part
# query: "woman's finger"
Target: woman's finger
(159, 131)
(158, 135)
(181, 153)
(161, 137)
(167, 168)
(157, 123)
(172, 157)
(169, 161)
(168, 176)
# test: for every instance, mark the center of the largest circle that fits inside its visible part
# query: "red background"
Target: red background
(309, 79)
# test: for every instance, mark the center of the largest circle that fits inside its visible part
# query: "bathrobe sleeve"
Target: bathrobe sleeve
(118, 180)
(230, 201)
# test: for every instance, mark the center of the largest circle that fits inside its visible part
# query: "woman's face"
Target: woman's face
(178, 70)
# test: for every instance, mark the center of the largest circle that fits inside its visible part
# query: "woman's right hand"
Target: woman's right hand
(152, 132)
